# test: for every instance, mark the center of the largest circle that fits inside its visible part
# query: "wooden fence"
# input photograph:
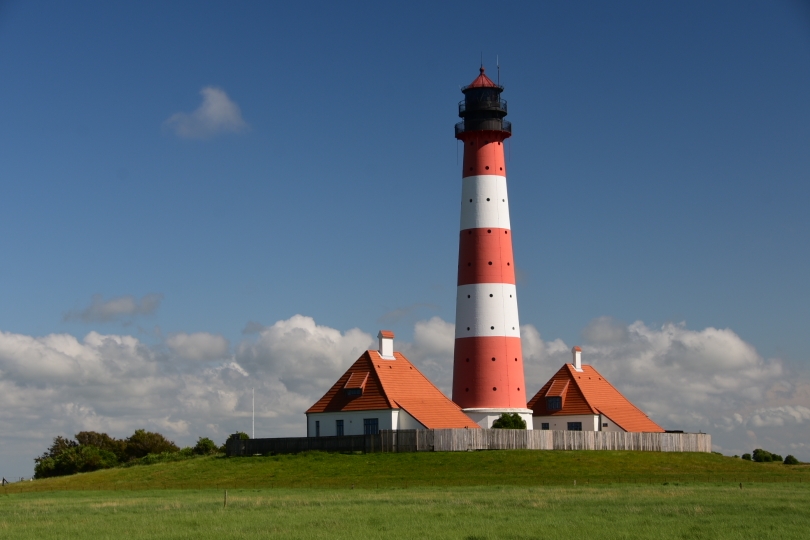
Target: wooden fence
(460, 440)
(294, 445)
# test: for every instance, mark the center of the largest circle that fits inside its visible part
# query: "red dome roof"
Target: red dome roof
(482, 81)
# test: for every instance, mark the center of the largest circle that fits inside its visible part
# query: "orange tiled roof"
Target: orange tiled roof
(393, 384)
(387, 334)
(590, 393)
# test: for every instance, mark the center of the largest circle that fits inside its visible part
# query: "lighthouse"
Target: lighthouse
(488, 361)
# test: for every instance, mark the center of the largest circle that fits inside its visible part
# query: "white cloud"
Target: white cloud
(432, 351)
(199, 346)
(216, 114)
(58, 385)
(303, 356)
(120, 308)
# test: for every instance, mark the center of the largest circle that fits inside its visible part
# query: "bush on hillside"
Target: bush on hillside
(163, 457)
(790, 460)
(60, 444)
(763, 456)
(142, 443)
(746, 457)
(509, 421)
(74, 460)
(239, 435)
(102, 441)
(205, 446)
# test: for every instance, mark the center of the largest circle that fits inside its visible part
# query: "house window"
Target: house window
(554, 403)
(317, 428)
(339, 428)
(574, 426)
(605, 424)
(370, 426)
(544, 426)
(354, 391)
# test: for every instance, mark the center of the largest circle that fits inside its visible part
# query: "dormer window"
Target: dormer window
(356, 384)
(554, 403)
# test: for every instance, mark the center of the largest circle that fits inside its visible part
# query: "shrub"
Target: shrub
(746, 457)
(102, 441)
(205, 446)
(790, 460)
(143, 442)
(776, 458)
(762, 456)
(60, 444)
(74, 460)
(509, 421)
(239, 435)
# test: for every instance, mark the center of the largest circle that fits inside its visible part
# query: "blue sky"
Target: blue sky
(658, 173)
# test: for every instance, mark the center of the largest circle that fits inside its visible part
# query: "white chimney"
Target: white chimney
(577, 362)
(386, 349)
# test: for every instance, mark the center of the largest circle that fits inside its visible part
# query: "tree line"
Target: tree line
(763, 456)
(91, 451)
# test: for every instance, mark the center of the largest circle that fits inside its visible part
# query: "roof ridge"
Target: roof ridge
(571, 374)
(617, 391)
(385, 395)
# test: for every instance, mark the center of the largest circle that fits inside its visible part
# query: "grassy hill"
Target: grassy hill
(429, 469)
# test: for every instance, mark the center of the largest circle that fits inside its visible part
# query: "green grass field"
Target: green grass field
(465, 495)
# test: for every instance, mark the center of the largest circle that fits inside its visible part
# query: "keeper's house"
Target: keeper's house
(383, 390)
(579, 398)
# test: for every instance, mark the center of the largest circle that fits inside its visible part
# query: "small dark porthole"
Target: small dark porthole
(468, 296)
(490, 296)
(468, 359)
(518, 389)
(493, 358)
(515, 359)
(510, 296)
(466, 389)
(503, 200)
(513, 328)
(487, 167)
(489, 230)
(468, 329)
(487, 199)
(470, 200)
(494, 388)
(490, 263)
(508, 264)
(501, 168)
(469, 232)
(469, 264)
(470, 168)
(492, 328)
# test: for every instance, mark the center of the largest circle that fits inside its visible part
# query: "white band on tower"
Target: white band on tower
(484, 202)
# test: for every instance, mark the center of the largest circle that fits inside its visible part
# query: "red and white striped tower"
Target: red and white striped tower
(488, 362)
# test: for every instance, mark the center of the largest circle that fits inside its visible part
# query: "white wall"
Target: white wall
(406, 421)
(353, 421)
(485, 417)
(590, 422)
(611, 426)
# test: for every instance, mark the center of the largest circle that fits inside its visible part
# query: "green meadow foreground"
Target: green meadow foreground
(470, 495)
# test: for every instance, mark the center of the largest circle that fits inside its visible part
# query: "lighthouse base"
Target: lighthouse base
(485, 417)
